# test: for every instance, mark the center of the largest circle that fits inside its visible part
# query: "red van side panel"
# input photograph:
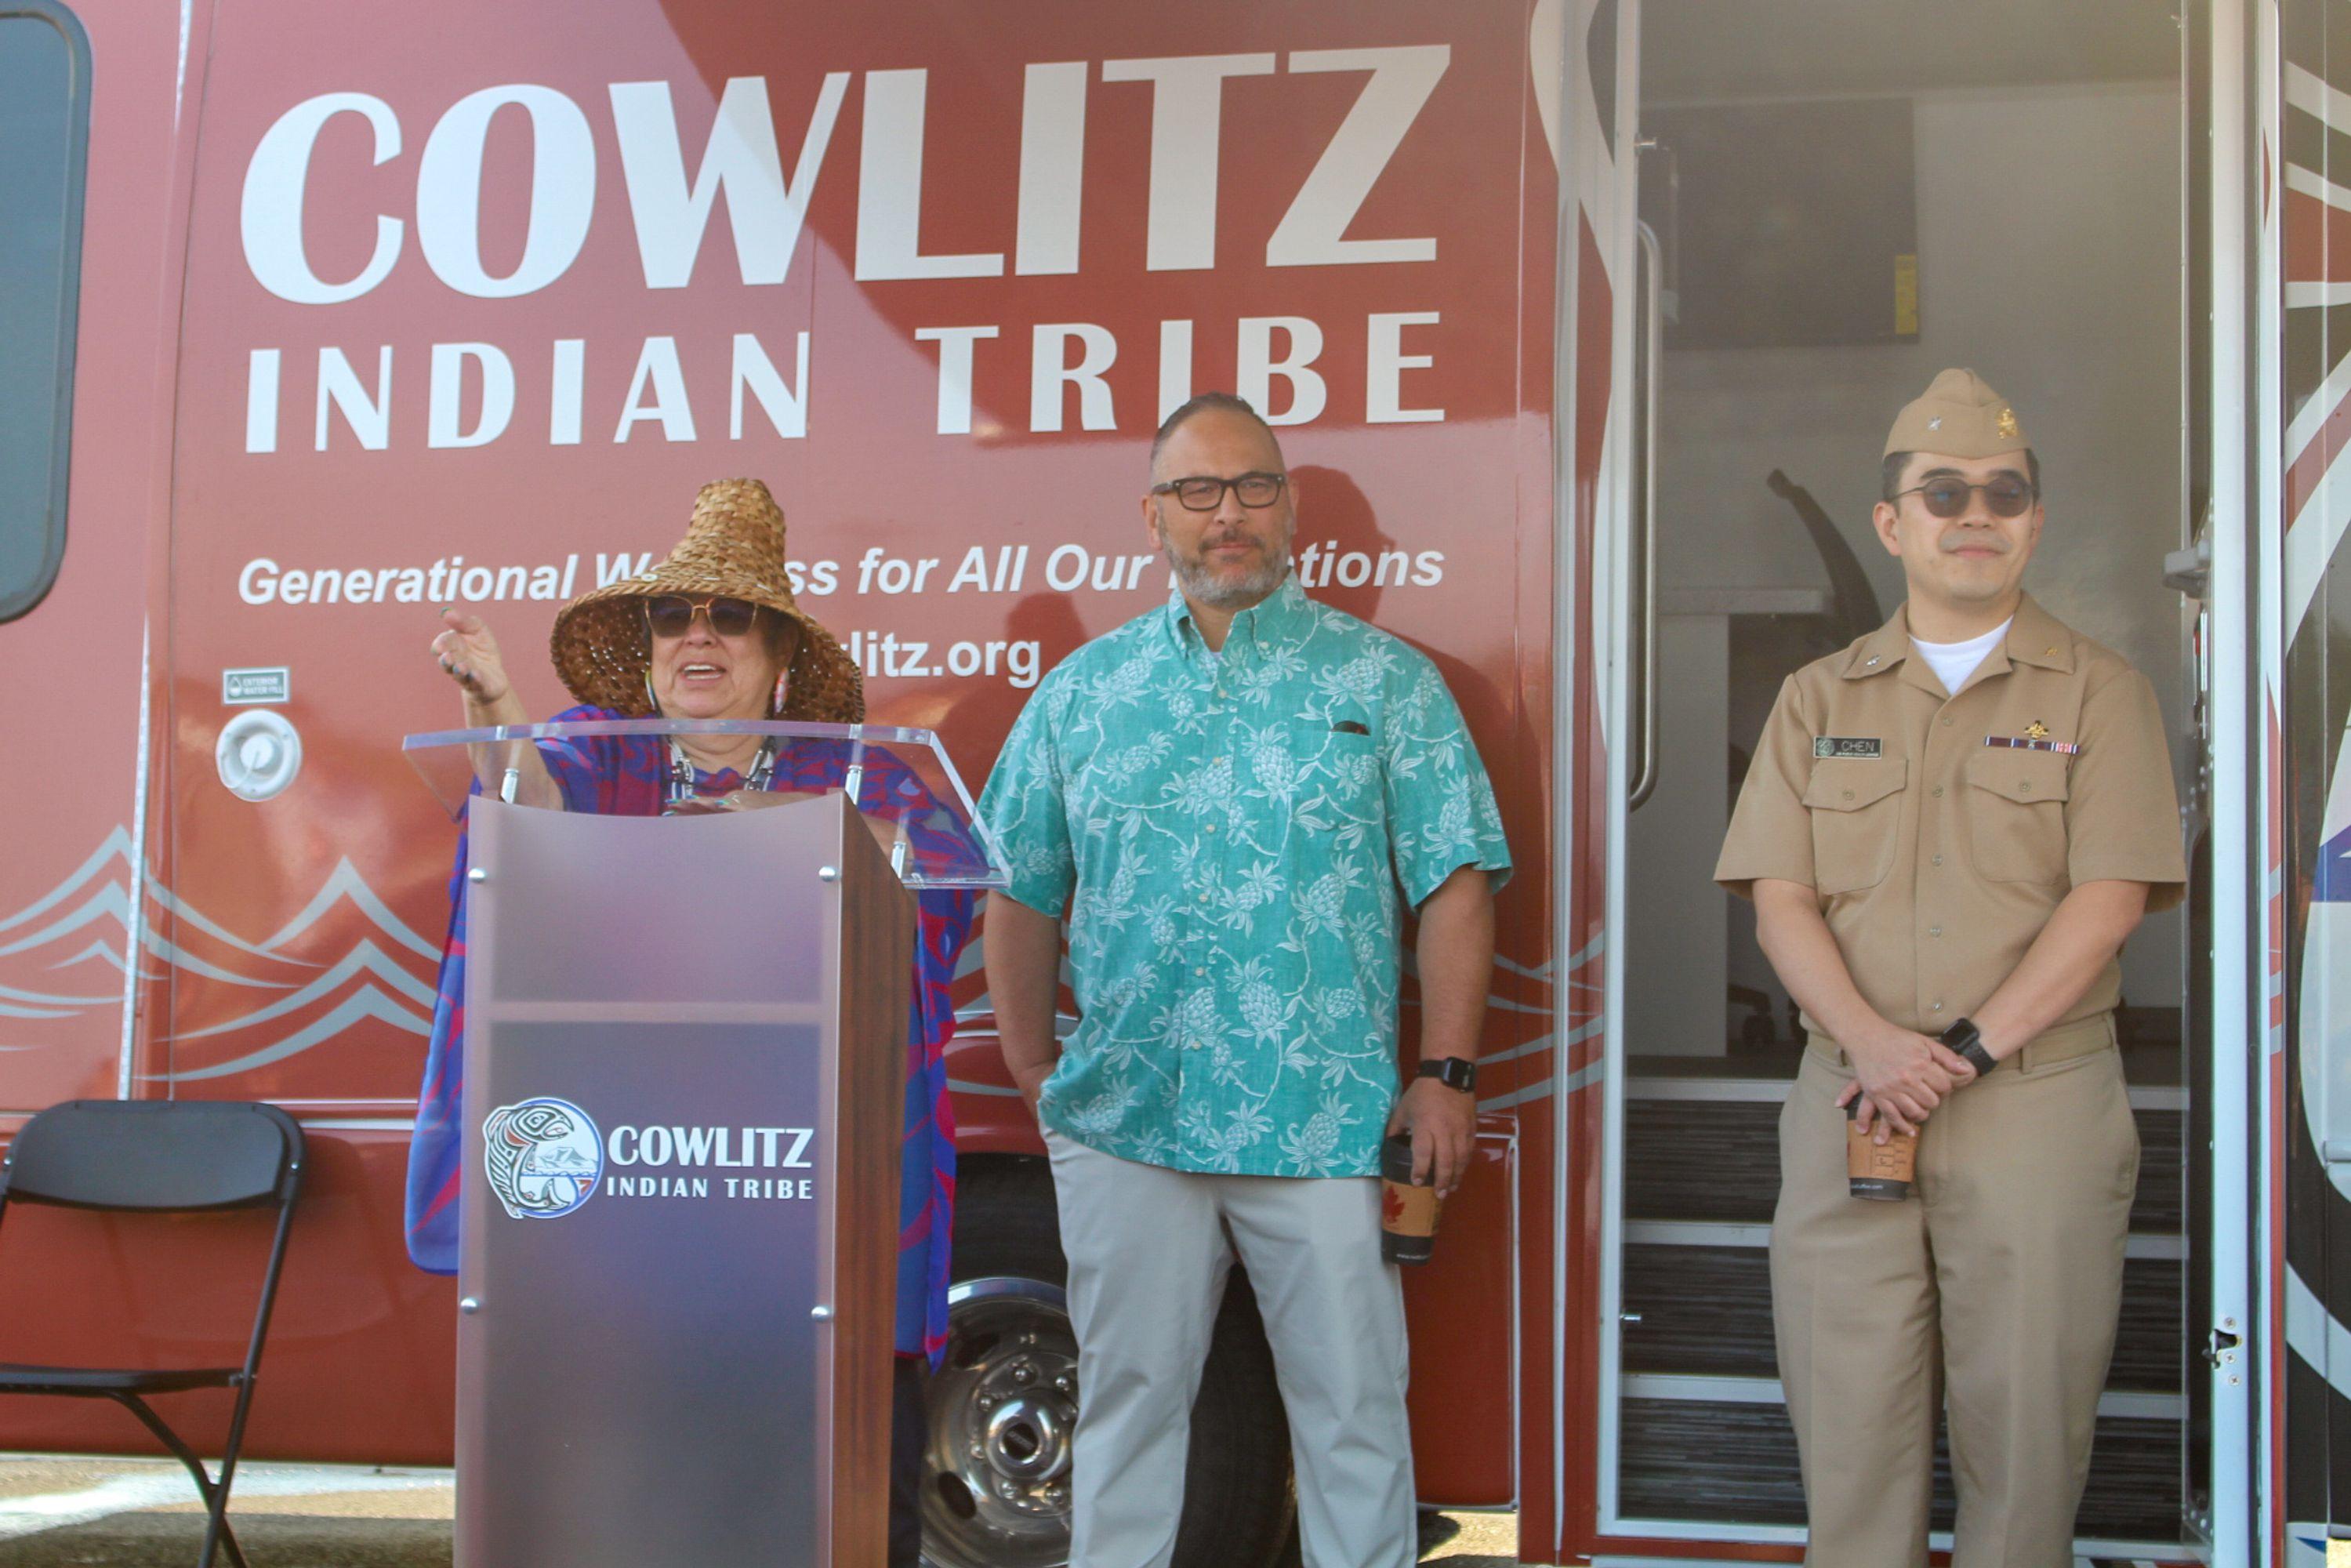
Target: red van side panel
(440, 303)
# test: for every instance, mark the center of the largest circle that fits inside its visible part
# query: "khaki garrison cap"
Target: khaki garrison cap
(1957, 416)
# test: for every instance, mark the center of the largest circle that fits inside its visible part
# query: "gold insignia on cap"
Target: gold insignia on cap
(1957, 416)
(2036, 730)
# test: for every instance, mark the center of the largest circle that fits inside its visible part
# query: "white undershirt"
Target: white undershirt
(1953, 662)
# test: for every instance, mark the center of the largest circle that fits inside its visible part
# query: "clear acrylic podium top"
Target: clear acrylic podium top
(899, 779)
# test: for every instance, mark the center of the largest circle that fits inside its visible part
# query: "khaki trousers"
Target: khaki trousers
(1994, 1291)
(1149, 1248)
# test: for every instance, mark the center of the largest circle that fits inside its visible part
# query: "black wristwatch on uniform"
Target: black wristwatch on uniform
(1453, 1071)
(1966, 1042)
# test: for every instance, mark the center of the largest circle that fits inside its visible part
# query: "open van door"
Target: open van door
(2305, 1373)
(1829, 204)
(1589, 121)
(2236, 906)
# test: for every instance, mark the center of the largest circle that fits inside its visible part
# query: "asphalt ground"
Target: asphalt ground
(78, 1512)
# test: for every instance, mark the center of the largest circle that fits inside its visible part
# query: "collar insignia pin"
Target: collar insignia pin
(1936, 422)
(2036, 730)
(2006, 427)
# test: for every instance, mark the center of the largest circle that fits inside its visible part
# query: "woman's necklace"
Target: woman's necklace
(680, 782)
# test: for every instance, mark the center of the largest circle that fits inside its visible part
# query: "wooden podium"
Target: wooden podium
(687, 1045)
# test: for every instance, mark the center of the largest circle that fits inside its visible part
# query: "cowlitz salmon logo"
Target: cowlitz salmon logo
(542, 1158)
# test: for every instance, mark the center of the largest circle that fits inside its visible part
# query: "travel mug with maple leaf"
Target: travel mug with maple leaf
(1408, 1209)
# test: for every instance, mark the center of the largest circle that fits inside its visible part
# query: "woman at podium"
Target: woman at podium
(713, 632)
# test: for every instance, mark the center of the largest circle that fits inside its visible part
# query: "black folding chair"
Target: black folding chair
(161, 1157)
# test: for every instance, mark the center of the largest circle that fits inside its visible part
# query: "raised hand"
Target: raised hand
(468, 655)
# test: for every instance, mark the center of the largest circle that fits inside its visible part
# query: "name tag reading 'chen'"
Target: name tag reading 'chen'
(1845, 746)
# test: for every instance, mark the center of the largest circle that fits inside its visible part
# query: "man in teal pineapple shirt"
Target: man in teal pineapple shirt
(1231, 797)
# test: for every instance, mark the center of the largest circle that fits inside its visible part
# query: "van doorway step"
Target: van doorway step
(1704, 1435)
(1708, 1148)
(1732, 1462)
(1707, 1308)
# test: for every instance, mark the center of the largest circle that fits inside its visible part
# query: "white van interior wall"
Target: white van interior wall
(2048, 221)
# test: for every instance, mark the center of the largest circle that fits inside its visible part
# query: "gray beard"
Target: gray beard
(1201, 588)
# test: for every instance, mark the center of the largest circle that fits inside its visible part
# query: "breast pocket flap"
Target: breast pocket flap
(1849, 783)
(2027, 777)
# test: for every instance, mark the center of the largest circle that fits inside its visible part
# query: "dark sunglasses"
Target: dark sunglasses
(2005, 496)
(672, 614)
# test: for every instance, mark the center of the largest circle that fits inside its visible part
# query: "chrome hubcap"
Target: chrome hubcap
(1002, 1411)
(1028, 1439)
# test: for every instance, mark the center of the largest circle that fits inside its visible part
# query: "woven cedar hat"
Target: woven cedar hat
(734, 547)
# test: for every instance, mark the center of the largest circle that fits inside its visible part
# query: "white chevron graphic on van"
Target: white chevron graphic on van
(85, 924)
(113, 900)
(345, 881)
(365, 1003)
(116, 847)
(365, 958)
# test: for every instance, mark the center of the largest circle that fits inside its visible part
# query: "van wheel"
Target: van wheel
(1003, 1405)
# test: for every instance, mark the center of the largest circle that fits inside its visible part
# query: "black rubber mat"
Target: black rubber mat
(1719, 1159)
(1737, 1464)
(1708, 1310)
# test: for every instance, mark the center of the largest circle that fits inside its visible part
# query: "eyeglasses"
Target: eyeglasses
(1205, 493)
(672, 615)
(2006, 495)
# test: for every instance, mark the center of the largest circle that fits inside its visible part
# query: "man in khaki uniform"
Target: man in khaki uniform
(1948, 831)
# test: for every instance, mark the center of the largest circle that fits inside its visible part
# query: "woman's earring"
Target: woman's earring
(783, 685)
(652, 701)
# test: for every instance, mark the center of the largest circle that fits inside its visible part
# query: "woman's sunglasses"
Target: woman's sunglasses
(2005, 496)
(671, 615)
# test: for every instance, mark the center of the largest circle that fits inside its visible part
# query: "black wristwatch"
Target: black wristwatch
(1966, 1042)
(1453, 1071)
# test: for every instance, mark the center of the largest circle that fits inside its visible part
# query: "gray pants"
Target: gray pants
(1149, 1249)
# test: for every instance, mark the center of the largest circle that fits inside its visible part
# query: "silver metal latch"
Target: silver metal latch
(2221, 1347)
(2189, 570)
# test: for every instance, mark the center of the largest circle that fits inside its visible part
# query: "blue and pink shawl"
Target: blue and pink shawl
(623, 776)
